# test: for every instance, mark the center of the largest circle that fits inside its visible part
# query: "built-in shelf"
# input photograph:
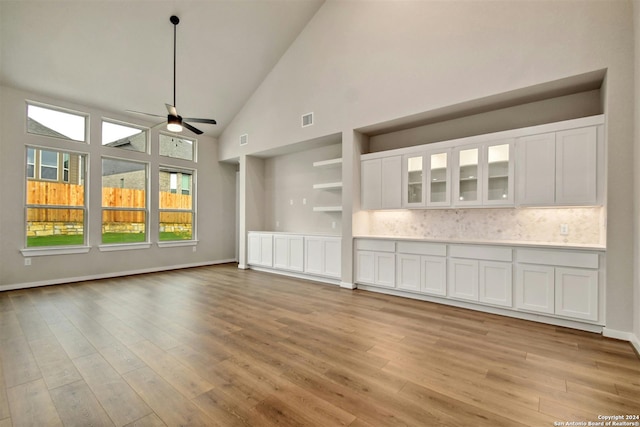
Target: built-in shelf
(326, 163)
(327, 209)
(327, 186)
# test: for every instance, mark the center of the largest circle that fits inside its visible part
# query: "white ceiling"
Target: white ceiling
(118, 55)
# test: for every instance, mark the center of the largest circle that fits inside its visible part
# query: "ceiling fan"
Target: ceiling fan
(175, 122)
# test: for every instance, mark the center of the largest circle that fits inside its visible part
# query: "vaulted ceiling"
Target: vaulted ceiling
(118, 55)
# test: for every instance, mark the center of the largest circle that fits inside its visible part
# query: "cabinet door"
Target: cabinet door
(576, 166)
(434, 275)
(295, 252)
(365, 267)
(413, 190)
(577, 293)
(468, 177)
(253, 247)
(370, 184)
(438, 180)
(313, 255)
(496, 283)
(408, 272)
(536, 169)
(535, 286)
(385, 269)
(266, 250)
(463, 279)
(280, 252)
(391, 183)
(332, 258)
(498, 174)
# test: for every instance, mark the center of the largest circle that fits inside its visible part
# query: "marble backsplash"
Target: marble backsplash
(535, 225)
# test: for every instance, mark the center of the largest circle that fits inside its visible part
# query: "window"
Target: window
(177, 147)
(124, 136)
(65, 167)
(55, 210)
(176, 204)
(56, 122)
(124, 201)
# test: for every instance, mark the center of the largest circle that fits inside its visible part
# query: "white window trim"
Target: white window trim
(54, 250)
(62, 110)
(111, 247)
(145, 129)
(194, 192)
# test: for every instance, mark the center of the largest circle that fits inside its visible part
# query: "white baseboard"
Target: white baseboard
(624, 336)
(303, 276)
(347, 285)
(243, 266)
(65, 280)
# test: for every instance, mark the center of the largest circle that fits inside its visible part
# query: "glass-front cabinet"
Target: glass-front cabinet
(499, 181)
(438, 179)
(468, 180)
(413, 180)
(483, 174)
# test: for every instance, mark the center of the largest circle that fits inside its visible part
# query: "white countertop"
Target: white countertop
(554, 245)
(297, 233)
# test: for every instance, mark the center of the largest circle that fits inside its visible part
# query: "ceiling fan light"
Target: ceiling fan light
(174, 124)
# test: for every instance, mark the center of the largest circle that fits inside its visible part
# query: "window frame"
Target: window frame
(146, 209)
(146, 130)
(58, 109)
(56, 249)
(171, 169)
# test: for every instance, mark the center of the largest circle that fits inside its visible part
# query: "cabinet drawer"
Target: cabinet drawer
(376, 245)
(488, 253)
(558, 258)
(422, 248)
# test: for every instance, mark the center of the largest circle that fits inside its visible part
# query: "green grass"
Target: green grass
(55, 241)
(106, 238)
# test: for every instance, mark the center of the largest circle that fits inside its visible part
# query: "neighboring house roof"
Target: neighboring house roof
(34, 126)
(135, 142)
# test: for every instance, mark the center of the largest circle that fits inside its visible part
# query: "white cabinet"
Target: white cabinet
(463, 279)
(558, 282)
(413, 188)
(577, 293)
(380, 182)
(421, 267)
(288, 252)
(535, 287)
(483, 174)
(481, 273)
(260, 249)
(375, 262)
(558, 168)
(576, 166)
(438, 178)
(495, 283)
(322, 256)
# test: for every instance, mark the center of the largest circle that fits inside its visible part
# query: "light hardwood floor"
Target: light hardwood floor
(221, 346)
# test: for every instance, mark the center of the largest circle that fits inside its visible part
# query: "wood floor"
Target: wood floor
(221, 346)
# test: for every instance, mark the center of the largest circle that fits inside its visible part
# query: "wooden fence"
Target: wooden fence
(70, 196)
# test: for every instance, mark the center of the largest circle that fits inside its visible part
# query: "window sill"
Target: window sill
(123, 247)
(177, 243)
(68, 250)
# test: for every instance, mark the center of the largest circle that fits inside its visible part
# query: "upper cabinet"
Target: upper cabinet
(379, 183)
(483, 174)
(557, 164)
(558, 168)
(438, 179)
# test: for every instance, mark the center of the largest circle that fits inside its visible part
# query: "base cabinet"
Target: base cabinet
(463, 279)
(420, 273)
(495, 285)
(535, 287)
(322, 256)
(288, 252)
(260, 249)
(576, 293)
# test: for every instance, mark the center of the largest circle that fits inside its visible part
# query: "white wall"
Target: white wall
(289, 181)
(215, 204)
(362, 63)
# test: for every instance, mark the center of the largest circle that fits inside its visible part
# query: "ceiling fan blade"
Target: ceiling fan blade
(208, 121)
(192, 129)
(140, 112)
(172, 110)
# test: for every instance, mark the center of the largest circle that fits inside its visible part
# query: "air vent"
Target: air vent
(307, 119)
(244, 139)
